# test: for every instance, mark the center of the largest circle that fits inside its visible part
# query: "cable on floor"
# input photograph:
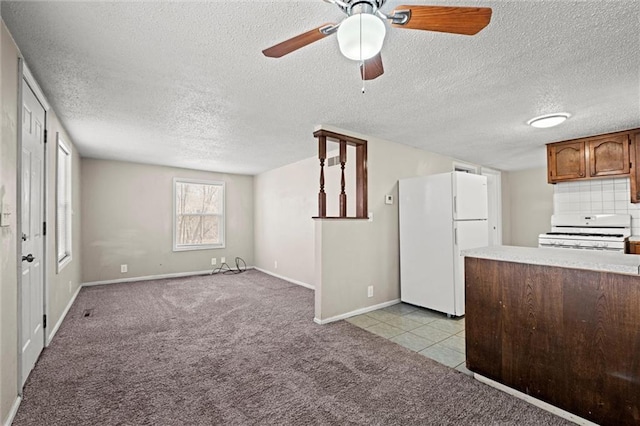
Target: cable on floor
(225, 269)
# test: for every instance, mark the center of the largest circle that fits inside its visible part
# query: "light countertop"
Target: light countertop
(565, 258)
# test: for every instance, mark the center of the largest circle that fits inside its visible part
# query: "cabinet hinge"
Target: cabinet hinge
(44, 228)
(44, 321)
(45, 135)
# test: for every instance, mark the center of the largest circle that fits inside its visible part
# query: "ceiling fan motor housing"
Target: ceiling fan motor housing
(361, 6)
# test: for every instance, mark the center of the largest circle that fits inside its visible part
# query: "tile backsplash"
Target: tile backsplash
(597, 196)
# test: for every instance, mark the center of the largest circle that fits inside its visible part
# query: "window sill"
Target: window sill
(203, 247)
(62, 263)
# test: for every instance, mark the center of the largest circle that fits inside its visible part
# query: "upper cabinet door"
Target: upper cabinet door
(566, 161)
(634, 149)
(609, 156)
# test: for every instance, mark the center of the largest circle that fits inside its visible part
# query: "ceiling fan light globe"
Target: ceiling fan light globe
(372, 30)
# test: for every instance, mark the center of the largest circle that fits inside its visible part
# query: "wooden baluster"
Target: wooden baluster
(343, 195)
(322, 196)
(361, 181)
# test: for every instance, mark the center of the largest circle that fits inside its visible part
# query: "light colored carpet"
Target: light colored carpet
(241, 349)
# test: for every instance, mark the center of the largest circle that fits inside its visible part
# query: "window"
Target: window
(63, 201)
(198, 214)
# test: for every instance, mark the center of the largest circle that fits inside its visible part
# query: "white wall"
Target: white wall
(597, 196)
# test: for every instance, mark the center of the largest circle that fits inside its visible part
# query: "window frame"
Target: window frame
(64, 153)
(190, 247)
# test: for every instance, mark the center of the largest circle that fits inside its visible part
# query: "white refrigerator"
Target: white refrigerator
(440, 215)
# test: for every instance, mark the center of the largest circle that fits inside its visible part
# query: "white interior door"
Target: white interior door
(494, 192)
(32, 181)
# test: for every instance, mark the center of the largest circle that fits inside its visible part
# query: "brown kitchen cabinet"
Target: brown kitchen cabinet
(609, 155)
(591, 158)
(635, 170)
(633, 247)
(566, 161)
(566, 336)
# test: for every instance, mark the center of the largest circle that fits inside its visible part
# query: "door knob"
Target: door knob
(29, 258)
(24, 237)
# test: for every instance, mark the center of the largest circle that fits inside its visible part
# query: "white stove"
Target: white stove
(606, 232)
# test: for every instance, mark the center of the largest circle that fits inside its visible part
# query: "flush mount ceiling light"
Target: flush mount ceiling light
(360, 36)
(548, 120)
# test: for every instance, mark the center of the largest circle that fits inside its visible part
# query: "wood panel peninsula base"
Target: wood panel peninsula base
(561, 326)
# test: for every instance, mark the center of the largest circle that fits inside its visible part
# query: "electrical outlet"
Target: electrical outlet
(370, 291)
(213, 261)
(123, 269)
(388, 199)
(223, 260)
(275, 264)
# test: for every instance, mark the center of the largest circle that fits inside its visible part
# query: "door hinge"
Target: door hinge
(44, 321)
(44, 228)
(45, 135)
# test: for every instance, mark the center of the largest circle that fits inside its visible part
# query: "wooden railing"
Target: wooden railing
(361, 173)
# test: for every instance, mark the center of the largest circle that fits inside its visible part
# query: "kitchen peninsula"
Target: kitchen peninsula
(562, 326)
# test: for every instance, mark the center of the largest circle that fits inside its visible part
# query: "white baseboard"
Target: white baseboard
(357, 312)
(12, 412)
(533, 401)
(291, 280)
(149, 277)
(64, 314)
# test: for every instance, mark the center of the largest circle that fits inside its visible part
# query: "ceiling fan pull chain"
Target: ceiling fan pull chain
(361, 60)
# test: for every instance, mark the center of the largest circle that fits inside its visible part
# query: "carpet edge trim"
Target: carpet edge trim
(13, 411)
(356, 312)
(149, 277)
(282, 277)
(534, 401)
(55, 328)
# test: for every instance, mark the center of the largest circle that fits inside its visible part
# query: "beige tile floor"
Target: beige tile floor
(427, 332)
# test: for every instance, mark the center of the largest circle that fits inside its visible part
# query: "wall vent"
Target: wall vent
(333, 161)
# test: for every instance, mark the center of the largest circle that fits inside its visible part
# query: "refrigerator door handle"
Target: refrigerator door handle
(455, 204)
(455, 236)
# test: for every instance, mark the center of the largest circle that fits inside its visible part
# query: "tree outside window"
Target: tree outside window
(199, 214)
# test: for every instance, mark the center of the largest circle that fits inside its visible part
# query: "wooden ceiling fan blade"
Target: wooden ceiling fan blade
(446, 19)
(299, 41)
(372, 68)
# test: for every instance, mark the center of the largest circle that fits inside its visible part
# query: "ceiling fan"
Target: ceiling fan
(361, 33)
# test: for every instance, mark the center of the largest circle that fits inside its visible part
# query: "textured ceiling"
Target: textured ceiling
(185, 83)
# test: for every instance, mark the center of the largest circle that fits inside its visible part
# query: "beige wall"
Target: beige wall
(8, 256)
(285, 200)
(357, 254)
(62, 284)
(127, 213)
(351, 254)
(60, 287)
(530, 201)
